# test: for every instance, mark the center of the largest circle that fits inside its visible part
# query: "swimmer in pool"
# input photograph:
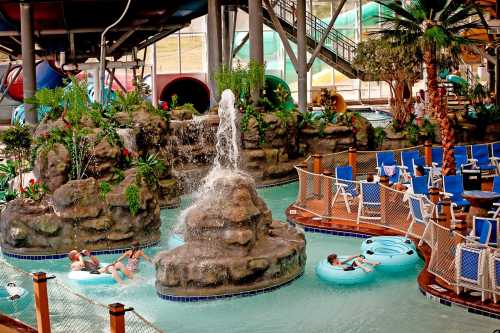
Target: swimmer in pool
(357, 261)
(78, 263)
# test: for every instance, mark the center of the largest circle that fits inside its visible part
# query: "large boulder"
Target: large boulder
(52, 166)
(232, 244)
(77, 199)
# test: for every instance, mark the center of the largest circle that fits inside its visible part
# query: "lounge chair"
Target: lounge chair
(496, 206)
(484, 231)
(481, 158)
(407, 157)
(420, 184)
(461, 158)
(387, 166)
(494, 268)
(453, 188)
(471, 269)
(346, 187)
(421, 210)
(495, 155)
(369, 201)
(437, 156)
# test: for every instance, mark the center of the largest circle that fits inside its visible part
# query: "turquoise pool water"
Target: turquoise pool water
(390, 304)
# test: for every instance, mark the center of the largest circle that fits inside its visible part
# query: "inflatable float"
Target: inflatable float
(89, 278)
(386, 241)
(393, 258)
(457, 79)
(13, 299)
(338, 275)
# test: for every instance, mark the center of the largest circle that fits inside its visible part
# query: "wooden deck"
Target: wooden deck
(425, 279)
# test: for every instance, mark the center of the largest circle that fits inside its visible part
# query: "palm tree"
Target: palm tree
(436, 27)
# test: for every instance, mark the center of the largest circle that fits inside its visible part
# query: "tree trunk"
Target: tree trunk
(439, 109)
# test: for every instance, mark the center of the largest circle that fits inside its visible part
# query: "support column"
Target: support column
(28, 55)
(497, 77)
(226, 36)
(317, 168)
(41, 302)
(490, 67)
(214, 45)
(302, 55)
(428, 153)
(154, 86)
(327, 192)
(256, 38)
(116, 318)
(352, 157)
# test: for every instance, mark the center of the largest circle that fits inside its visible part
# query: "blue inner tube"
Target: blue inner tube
(87, 278)
(10, 304)
(456, 79)
(395, 258)
(386, 241)
(337, 274)
(175, 240)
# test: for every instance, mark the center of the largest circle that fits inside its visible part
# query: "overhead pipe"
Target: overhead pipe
(102, 59)
(111, 64)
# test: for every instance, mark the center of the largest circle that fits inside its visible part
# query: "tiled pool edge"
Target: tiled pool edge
(65, 255)
(427, 294)
(470, 309)
(185, 299)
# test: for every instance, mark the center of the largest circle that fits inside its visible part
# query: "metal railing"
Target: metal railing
(342, 46)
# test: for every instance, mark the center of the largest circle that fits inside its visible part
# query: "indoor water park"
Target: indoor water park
(249, 166)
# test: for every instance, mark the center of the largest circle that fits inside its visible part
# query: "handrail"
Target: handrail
(336, 42)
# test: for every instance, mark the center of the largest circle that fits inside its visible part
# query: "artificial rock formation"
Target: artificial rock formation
(231, 245)
(78, 213)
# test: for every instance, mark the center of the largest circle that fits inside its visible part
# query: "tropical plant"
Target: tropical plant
(104, 189)
(306, 119)
(379, 135)
(149, 169)
(34, 191)
(249, 113)
(7, 173)
(240, 80)
(133, 199)
(388, 60)
(436, 27)
(17, 140)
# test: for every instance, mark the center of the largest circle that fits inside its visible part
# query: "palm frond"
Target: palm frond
(459, 15)
(397, 9)
(450, 8)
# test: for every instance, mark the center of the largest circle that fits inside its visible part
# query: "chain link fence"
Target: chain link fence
(70, 312)
(327, 197)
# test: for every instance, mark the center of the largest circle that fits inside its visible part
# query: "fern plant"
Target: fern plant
(133, 199)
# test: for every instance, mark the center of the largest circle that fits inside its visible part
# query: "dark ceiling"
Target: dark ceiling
(75, 26)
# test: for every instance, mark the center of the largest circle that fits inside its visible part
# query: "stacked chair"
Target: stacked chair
(346, 187)
(386, 162)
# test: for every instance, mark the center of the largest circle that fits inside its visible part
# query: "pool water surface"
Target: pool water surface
(392, 303)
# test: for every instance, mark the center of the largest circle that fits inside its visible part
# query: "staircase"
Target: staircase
(337, 51)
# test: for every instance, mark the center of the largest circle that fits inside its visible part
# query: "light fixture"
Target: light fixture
(482, 73)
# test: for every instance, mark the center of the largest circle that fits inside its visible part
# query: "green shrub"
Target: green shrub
(132, 195)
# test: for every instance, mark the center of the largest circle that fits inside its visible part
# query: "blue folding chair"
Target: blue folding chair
(484, 230)
(471, 269)
(407, 157)
(421, 210)
(437, 156)
(494, 268)
(345, 186)
(369, 202)
(386, 158)
(481, 158)
(453, 187)
(496, 205)
(495, 155)
(461, 158)
(420, 184)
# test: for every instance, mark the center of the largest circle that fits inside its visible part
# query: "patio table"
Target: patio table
(480, 203)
